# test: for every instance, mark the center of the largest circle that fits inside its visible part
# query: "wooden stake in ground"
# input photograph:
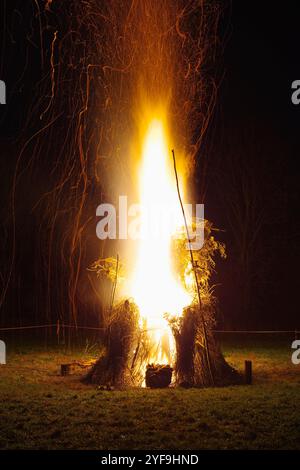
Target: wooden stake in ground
(248, 372)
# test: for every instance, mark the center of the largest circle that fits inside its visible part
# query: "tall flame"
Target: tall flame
(155, 288)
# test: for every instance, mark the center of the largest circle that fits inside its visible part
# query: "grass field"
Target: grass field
(42, 410)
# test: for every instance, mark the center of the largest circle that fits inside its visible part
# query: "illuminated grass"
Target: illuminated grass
(41, 410)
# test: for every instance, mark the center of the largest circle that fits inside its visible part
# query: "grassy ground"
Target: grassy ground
(41, 410)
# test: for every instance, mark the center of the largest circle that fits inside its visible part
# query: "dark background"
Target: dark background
(255, 151)
(253, 172)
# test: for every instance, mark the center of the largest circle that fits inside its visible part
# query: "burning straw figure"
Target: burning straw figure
(113, 368)
(127, 343)
(127, 350)
(199, 360)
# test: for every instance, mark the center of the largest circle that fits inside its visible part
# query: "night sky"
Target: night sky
(254, 122)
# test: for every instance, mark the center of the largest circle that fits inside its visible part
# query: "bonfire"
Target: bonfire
(159, 323)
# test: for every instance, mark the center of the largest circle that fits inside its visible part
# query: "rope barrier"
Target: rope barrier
(52, 325)
(55, 325)
(258, 332)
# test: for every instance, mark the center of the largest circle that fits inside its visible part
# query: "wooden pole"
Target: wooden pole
(248, 372)
(206, 346)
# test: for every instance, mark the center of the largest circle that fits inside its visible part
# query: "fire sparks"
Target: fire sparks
(100, 59)
(155, 288)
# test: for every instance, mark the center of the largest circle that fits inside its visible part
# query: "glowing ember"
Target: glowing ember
(155, 288)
